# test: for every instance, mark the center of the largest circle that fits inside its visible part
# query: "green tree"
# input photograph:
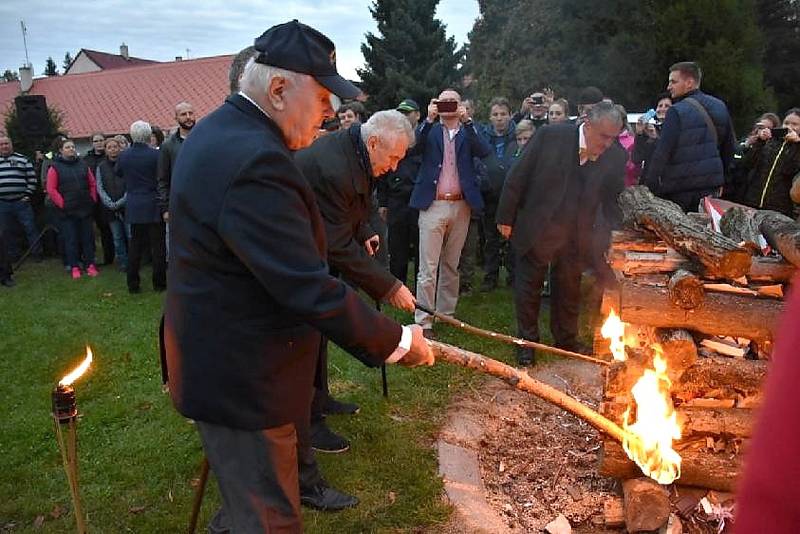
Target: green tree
(29, 145)
(779, 21)
(67, 62)
(9, 76)
(411, 57)
(50, 68)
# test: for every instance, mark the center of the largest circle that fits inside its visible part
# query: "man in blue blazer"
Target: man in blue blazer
(249, 289)
(446, 192)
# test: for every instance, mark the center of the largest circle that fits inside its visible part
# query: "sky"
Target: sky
(164, 29)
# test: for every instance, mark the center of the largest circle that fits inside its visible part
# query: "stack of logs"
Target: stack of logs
(713, 304)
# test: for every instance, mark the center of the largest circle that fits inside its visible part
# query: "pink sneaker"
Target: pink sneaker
(92, 270)
(76, 273)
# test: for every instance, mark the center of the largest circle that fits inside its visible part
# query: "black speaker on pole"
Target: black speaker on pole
(32, 115)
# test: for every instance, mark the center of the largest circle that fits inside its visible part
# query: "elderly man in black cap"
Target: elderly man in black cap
(249, 290)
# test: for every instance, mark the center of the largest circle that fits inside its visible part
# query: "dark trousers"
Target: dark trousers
(141, 235)
(78, 235)
(5, 261)
(403, 246)
(565, 291)
(466, 263)
(496, 250)
(19, 212)
(106, 237)
(310, 474)
(257, 476)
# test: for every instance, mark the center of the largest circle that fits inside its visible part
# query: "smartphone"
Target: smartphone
(648, 116)
(779, 133)
(447, 106)
(537, 100)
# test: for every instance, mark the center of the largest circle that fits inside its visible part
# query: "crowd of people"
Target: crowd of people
(268, 238)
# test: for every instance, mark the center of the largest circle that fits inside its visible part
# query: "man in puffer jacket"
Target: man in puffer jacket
(696, 145)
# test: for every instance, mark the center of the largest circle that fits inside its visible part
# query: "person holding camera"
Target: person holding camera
(445, 194)
(773, 162)
(647, 130)
(535, 107)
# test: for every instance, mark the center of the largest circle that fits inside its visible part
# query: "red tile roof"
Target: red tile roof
(107, 61)
(109, 101)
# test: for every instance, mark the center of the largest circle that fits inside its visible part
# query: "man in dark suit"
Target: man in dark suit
(249, 288)
(445, 194)
(341, 168)
(548, 208)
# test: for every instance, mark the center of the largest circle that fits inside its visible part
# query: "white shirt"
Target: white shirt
(582, 150)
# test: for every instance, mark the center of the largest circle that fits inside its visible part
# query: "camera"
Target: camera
(537, 100)
(778, 133)
(446, 106)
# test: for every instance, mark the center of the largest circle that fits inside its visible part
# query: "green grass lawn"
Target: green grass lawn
(139, 459)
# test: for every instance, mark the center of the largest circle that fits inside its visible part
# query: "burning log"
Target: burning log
(646, 504)
(697, 421)
(702, 468)
(685, 290)
(720, 255)
(720, 314)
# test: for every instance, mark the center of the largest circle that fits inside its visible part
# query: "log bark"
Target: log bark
(781, 232)
(720, 314)
(702, 468)
(719, 255)
(738, 224)
(613, 512)
(637, 241)
(685, 290)
(679, 348)
(694, 421)
(717, 377)
(646, 504)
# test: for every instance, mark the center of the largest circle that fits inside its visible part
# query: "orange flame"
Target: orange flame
(613, 329)
(656, 424)
(78, 371)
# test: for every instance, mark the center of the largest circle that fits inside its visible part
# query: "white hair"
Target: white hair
(140, 132)
(388, 123)
(257, 76)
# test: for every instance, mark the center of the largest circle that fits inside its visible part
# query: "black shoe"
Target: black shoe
(335, 407)
(324, 497)
(526, 357)
(8, 282)
(428, 333)
(323, 439)
(490, 284)
(134, 290)
(464, 289)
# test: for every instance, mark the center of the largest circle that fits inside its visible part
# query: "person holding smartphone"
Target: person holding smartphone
(773, 162)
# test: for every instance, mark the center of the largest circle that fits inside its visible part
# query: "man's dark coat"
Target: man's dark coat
(342, 186)
(536, 197)
(249, 290)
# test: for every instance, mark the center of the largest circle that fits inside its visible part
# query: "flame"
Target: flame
(613, 329)
(656, 424)
(78, 371)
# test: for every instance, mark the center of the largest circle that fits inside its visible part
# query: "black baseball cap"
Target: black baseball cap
(299, 48)
(407, 106)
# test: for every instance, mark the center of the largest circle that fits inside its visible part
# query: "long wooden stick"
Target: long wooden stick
(510, 339)
(198, 495)
(522, 381)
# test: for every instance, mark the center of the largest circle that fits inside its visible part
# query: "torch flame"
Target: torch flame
(78, 371)
(613, 329)
(656, 424)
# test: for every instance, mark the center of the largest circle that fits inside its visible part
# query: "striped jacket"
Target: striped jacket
(17, 178)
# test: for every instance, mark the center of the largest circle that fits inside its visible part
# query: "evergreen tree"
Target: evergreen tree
(67, 62)
(50, 68)
(28, 145)
(779, 21)
(9, 76)
(411, 57)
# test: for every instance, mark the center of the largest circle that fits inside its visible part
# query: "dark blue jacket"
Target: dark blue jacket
(686, 159)
(430, 143)
(138, 167)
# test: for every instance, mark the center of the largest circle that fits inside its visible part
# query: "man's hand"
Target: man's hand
(527, 105)
(765, 134)
(372, 244)
(549, 96)
(792, 136)
(433, 110)
(640, 126)
(383, 213)
(463, 116)
(505, 230)
(165, 216)
(420, 352)
(402, 299)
